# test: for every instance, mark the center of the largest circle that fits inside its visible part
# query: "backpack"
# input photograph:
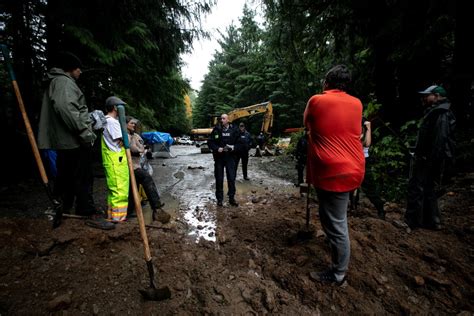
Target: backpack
(99, 121)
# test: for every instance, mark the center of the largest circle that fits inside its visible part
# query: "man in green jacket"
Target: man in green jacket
(65, 126)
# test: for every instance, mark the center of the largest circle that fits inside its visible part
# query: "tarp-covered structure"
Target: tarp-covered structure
(159, 143)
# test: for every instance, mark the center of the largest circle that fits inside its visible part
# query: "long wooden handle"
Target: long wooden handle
(21, 105)
(136, 198)
(138, 207)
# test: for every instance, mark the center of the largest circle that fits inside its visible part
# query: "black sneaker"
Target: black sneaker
(328, 277)
(233, 202)
(219, 203)
(246, 178)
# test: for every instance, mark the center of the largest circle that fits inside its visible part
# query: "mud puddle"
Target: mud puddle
(187, 186)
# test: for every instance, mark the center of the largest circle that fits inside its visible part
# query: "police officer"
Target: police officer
(242, 147)
(221, 142)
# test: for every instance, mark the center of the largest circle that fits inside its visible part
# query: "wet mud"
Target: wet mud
(232, 260)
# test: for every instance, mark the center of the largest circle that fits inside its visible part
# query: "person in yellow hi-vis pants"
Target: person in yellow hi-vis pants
(115, 163)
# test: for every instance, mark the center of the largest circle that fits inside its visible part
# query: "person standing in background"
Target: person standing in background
(242, 147)
(434, 151)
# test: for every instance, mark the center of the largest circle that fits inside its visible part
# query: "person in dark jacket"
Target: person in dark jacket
(434, 149)
(65, 126)
(301, 155)
(242, 147)
(261, 140)
(221, 142)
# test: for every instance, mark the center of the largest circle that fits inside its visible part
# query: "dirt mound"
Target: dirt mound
(257, 264)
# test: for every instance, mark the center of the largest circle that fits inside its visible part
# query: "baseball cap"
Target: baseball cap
(434, 89)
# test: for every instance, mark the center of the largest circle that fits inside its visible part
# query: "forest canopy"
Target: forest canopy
(133, 49)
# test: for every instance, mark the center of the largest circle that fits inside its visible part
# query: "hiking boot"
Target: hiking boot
(233, 202)
(100, 223)
(328, 277)
(219, 203)
(161, 216)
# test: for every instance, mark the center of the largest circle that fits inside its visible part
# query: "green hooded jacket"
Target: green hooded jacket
(64, 121)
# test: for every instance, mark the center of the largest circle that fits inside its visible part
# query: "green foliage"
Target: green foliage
(390, 159)
(131, 49)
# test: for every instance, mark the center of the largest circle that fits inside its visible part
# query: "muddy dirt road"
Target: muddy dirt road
(187, 183)
(232, 260)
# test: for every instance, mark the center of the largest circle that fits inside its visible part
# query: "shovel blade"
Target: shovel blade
(152, 294)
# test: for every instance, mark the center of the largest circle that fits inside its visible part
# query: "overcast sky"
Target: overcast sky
(224, 13)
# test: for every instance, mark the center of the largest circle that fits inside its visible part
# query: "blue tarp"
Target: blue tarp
(157, 138)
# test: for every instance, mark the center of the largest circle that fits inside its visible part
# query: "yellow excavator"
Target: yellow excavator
(200, 135)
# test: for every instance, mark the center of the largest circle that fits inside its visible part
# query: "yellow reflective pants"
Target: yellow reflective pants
(116, 172)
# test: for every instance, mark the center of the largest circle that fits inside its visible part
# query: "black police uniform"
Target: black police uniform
(219, 138)
(242, 147)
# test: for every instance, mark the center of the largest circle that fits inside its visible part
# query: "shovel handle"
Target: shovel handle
(136, 198)
(307, 207)
(21, 105)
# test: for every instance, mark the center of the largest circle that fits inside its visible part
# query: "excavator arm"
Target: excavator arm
(266, 108)
(200, 135)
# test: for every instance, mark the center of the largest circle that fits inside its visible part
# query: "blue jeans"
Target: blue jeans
(333, 217)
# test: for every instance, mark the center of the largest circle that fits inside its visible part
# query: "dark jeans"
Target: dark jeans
(245, 161)
(422, 200)
(300, 164)
(143, 177)
(333, 217)
(227, 161)
(75, 179)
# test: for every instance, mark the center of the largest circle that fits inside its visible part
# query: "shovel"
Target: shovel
(56, 205)
(153, 293)
(306, 233)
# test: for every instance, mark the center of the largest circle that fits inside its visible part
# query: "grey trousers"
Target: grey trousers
(333, 217)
